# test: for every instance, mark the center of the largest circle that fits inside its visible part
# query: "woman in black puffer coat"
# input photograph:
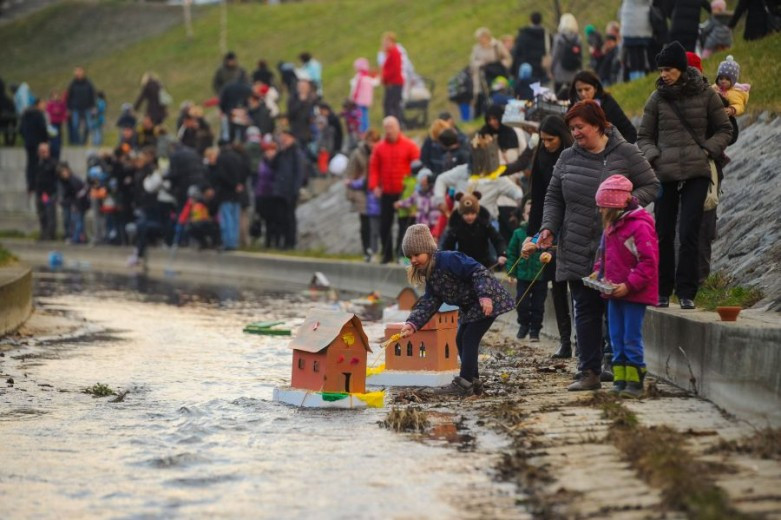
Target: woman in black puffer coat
(586, 85)
(685, 22)
(681, 164)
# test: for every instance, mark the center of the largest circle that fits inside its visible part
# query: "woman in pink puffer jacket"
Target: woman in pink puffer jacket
(628, 259)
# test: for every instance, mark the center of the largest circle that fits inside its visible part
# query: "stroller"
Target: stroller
(488, 73)
(414, 109)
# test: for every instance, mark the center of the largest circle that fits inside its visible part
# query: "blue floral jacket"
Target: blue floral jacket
(459, 280)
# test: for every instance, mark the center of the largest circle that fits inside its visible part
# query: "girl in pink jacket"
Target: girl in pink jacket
(629, 260)
(362, 90)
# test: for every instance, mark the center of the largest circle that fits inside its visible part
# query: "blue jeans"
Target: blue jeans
(626, 332)
(80, 125)
(589, 311)
(465, 110)
(364, 118)
(229, 224)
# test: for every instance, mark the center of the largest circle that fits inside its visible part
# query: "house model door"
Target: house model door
(347, 376)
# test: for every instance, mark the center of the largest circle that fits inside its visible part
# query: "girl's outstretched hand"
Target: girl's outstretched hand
(406, 330)
(487, 305)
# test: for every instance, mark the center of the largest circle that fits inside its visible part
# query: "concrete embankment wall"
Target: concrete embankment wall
(736, 365)
(16, 297)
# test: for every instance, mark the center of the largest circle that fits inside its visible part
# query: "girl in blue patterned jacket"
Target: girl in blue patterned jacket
(456, 279)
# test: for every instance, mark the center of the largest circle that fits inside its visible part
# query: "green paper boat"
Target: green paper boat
(265, 328)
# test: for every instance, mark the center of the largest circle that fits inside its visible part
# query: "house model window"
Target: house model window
(315, 366)
(422, 350)
(447, 350)
(409, 348)
(397, 349)
(300, 363)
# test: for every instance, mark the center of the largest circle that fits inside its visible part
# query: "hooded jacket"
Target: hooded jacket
(571, 212)
(473, 239)
(632, 256)
(665, 141)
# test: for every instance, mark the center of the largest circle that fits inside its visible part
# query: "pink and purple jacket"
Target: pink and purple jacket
(426, 212)
(632, 256)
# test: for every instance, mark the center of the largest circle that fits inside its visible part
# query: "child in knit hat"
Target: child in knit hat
(715, 34)
(629, 260)
(728, 87)
(453, 278)
(422, 200)
(470, 231)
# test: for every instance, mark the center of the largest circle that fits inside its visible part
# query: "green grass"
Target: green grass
(6, 257)
(720, 290)
(304, 253)
(438, 35)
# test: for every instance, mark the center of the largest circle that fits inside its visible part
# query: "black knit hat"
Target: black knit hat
(673, 55)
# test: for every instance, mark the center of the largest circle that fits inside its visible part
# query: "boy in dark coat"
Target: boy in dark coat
(470, 231)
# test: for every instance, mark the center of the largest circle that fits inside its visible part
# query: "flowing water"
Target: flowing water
(198, 435)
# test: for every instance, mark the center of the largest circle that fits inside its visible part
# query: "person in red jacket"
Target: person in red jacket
(392, 78)
(389, 164)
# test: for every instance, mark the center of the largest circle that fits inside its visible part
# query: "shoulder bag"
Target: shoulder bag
(712, 197)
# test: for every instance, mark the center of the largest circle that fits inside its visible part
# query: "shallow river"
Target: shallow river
(198, 435)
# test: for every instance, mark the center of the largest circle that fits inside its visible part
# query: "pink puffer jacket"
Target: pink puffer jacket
(632, 256)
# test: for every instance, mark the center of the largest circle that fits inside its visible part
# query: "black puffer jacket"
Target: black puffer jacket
(472, 239)
(665, 141)
(685, 25)
(570, 211)
(756, 19)
(81, 95)
(530, 48)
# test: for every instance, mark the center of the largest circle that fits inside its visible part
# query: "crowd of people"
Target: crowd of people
(495, 197)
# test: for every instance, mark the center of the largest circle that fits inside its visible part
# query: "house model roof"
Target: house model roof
(322, 328)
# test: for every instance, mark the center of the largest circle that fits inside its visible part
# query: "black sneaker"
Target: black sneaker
(664, 302)
(458, 387)
(523, 330)
(534, 336)
(687, 303)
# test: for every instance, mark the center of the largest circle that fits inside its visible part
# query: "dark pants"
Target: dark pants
(391, 103)
(206, 233)
(47, 217)
(32, 164)
(589, 313)
(707, 236)
(689, 200)
(561, 306)
(404, 223)
(365, 233)
(286, 212)
(532, 308)
(387, 213)
(468, 342)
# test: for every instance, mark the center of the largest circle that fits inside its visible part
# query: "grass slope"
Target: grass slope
(119, 41)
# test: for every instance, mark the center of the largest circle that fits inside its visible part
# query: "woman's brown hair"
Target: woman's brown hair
(590, 112)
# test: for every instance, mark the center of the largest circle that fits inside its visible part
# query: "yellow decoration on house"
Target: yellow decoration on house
(348, 339)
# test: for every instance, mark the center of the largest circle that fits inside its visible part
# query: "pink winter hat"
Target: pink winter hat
(361, 65)
(614, 192)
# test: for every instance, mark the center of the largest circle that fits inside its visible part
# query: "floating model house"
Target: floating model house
(329, 363)
(406, 299)
(429, 357)
(399, 311)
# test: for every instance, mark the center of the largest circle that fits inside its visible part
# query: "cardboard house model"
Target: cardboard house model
(406, 299)
(429, 357)
(329, 354)
(432, 348)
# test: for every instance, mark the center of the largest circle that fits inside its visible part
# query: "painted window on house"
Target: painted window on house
(301, 363)
(409, 348)
(315, 366)
(447, 350)
(397, 349)
(422, 350)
